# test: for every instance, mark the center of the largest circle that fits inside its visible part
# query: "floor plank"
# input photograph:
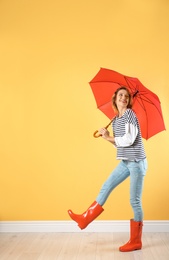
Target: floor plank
(80, 246)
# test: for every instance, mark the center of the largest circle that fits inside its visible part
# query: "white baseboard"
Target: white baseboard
(70, 226)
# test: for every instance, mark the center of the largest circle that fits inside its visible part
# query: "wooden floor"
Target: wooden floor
(80, 246)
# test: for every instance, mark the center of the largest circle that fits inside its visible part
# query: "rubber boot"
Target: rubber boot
(88, 216)
(135, 237)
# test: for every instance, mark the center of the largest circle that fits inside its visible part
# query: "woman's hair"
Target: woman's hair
(115, 95)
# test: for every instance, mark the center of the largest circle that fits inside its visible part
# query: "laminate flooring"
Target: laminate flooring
(80, 246)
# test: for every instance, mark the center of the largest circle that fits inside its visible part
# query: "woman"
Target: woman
(130, 151)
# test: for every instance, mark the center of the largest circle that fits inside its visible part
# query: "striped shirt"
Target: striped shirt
(128, 139)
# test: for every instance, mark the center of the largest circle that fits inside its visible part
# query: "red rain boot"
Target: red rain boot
(88, 216)
(135, 237)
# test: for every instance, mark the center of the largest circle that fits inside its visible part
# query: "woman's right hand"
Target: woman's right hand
(104, 132)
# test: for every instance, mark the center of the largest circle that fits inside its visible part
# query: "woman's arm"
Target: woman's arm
(127, 139)
(106, 135)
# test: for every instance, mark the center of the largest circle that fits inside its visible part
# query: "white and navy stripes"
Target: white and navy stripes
(128, 139)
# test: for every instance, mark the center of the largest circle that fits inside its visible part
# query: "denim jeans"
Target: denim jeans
(136, 171)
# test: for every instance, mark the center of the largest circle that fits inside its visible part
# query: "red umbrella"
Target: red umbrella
(146, 104)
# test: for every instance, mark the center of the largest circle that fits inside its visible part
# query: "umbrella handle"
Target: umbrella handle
(96, 135)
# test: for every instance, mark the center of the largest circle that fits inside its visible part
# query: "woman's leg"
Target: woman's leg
(117, 176)
(137, 173)
(120, 173)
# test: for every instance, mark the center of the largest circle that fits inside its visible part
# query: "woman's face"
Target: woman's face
(122, 99)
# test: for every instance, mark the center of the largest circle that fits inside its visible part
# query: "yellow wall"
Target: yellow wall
(49, 51)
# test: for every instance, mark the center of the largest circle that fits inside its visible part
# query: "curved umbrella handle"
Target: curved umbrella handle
(96, 135)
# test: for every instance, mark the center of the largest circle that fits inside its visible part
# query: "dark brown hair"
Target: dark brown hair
(115, 95)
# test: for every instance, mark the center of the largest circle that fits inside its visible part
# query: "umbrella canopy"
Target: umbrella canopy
(146, 104)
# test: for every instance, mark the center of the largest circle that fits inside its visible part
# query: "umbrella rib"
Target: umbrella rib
(129, 83)
(144, 109)
(146, 99)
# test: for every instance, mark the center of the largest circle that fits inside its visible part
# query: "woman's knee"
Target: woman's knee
(135, 203)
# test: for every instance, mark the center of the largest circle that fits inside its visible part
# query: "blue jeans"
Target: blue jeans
(136, 171)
